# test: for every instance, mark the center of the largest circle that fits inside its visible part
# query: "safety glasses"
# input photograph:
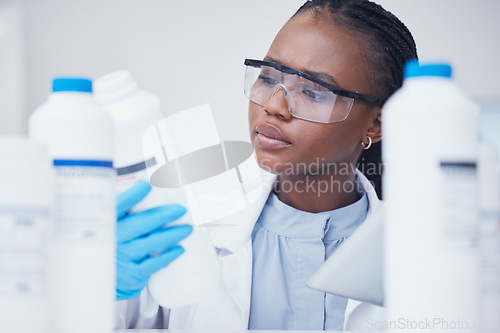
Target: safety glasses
(307, 97)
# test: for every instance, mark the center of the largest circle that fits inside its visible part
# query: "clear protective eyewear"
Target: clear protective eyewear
(307, 97)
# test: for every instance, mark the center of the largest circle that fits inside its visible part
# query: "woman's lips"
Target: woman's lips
(270, 137)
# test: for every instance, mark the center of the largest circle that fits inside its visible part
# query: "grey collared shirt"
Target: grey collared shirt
(289, 245)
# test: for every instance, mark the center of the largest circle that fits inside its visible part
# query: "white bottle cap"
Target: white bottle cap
(114, 86)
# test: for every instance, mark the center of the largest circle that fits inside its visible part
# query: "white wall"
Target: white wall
(464, 32)
(191, 52)
(186, 52)
(12, 66)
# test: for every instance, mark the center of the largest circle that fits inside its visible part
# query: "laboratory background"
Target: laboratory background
(191, 52)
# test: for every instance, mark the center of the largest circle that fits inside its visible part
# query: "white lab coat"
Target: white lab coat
(228, 309)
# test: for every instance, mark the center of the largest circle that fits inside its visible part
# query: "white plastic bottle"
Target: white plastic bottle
(79, 135)
(133, 111)
(489, 240)
(25, 235)
(430, 187)
(195, 274)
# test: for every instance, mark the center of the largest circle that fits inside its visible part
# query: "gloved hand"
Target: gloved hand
(143, 244)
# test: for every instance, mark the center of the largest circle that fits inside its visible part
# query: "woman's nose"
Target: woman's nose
(277, 105)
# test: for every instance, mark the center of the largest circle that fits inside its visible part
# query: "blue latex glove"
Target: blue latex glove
(139, 235)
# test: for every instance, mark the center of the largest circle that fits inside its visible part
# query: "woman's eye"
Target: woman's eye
(268, 81)
(315, 96)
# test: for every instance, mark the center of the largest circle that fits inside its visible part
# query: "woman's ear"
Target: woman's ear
(375, 129)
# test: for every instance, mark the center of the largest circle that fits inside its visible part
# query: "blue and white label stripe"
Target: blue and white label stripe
(86, 163)
(136, 167)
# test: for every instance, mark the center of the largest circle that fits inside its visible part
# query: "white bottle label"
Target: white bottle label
(490, 255)
(130, 175)
(85, 198)
(459, 212)
(24, 259)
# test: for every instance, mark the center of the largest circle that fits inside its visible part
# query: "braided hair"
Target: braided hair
(389, 45)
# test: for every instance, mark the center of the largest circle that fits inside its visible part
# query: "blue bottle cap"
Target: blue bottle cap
(414, 69)
(72, 84)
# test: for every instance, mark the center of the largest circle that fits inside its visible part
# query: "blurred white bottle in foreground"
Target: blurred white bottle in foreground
(79, 135)
(430, 187)
(25, 235)
(489, 237)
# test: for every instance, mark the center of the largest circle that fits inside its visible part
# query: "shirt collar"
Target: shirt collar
(286, 221)
(233, 237)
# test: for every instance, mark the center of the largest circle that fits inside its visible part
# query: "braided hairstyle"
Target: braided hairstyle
(389, 45)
